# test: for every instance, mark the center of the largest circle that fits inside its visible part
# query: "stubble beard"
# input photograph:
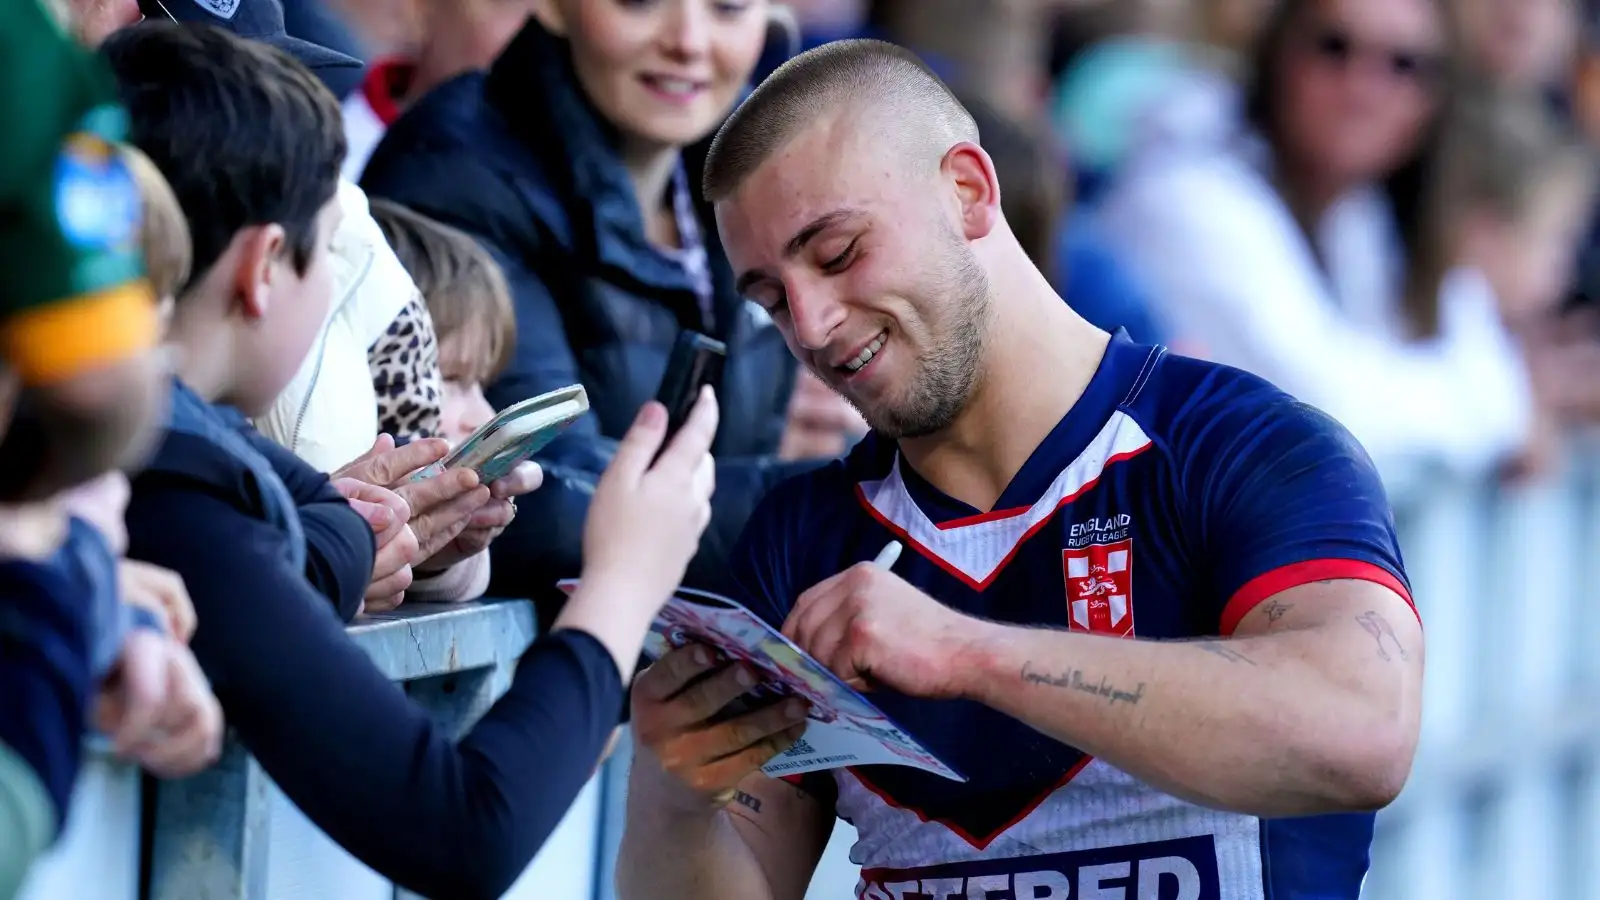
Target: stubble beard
(946, 377)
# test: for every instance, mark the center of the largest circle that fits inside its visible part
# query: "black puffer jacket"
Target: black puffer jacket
(519, 158)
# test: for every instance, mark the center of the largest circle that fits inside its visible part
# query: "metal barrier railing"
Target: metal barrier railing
(1504, 801)
(215, 836)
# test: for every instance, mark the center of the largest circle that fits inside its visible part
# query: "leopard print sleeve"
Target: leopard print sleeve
(405, 374)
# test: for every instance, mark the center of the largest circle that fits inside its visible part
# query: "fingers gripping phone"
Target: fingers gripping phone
(514, 434)
(696, 361)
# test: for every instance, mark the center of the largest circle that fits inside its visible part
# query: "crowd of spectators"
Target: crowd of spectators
(266, 259)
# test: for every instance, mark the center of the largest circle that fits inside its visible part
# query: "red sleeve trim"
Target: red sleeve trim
(1278, 580)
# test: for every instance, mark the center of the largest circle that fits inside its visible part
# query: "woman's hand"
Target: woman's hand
(390, 519)
(489, 520)
(432, 512)
(644, 526)
(646, 517)
(441, 506)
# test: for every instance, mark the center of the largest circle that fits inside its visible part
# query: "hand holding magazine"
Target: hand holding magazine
(845, 729)
(515, 434)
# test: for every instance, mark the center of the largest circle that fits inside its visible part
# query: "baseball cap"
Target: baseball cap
(256, 20)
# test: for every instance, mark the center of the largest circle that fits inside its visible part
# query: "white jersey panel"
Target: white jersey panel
(1102, 835)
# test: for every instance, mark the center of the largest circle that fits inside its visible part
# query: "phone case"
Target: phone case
(517, 433)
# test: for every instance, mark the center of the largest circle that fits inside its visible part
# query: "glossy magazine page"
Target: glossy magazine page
(846, 729)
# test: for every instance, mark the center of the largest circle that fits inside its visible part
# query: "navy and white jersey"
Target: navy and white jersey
(1175, 496)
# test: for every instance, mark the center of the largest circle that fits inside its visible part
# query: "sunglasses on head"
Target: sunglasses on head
(1339, 46)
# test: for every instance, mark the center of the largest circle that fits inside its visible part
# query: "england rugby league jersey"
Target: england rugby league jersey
(1174, 497)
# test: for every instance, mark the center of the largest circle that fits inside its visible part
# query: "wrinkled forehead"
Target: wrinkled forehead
(833, 165)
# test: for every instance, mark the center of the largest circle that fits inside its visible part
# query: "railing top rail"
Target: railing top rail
(422, 640)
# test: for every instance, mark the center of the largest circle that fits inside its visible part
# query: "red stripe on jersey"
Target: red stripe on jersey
(1275, 581)
(993, 515)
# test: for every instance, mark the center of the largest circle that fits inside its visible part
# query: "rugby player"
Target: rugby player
(1152, 607)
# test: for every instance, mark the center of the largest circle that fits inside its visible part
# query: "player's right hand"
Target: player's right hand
(671, 706)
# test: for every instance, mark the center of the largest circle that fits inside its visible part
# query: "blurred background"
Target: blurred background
(1388, 208)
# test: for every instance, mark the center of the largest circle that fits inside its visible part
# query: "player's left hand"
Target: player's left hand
(872, 628)
(490, 519)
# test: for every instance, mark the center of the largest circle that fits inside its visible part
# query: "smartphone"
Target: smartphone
(696, 361)
(515, 434)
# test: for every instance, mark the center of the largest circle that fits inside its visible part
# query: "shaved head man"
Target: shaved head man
(852, 178)
(1151, 608)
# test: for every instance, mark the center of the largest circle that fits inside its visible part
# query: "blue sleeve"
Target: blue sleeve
(45, 682)
(1282, 495)
(339, 543)
(306, 483)
(439, 816)
(87, 559)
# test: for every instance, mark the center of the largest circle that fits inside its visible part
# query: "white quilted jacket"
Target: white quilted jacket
(328, 415)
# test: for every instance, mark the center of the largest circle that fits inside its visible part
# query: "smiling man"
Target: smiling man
(1151, 606)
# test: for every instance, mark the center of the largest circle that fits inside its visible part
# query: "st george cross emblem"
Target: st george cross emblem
(1100, 588)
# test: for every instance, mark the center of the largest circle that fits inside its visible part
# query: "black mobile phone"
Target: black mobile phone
(696, 361)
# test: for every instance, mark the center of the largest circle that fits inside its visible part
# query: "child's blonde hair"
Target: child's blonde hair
(163, 232)
(462, 284)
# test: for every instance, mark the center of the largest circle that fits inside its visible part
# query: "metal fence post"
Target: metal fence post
(212, 833)
(613, 812)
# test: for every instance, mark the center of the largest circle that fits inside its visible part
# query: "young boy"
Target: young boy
(163, 240)
(143, 608)
(1512, 199)
(257, 191)
(470, 305)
